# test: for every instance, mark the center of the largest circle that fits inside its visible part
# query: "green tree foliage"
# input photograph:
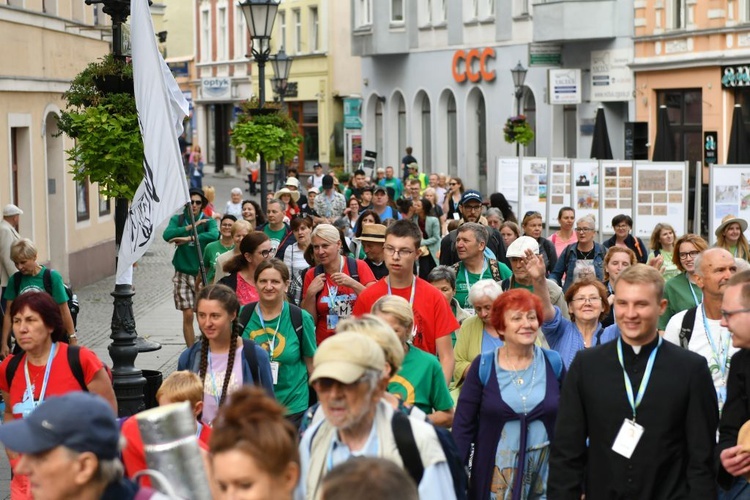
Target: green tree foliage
(267, 131)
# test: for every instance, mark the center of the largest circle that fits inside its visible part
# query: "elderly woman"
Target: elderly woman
(444, 279)
(477, 335)
(494, 218)
(583, 253)
(42, 369)
(616, 260)
(508, 406)
(662, 243)
(730, 236)
(681, 291)
(532, 226)
(420, 381)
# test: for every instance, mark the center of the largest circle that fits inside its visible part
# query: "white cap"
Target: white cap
(10, 210)
(292, 181)
(520, 245)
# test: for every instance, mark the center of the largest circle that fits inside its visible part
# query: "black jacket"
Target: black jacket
(632, 242)
(449, 256)
(736, 410)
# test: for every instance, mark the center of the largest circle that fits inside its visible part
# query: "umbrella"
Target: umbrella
(600, 146)
(664, 144)
(739, 151)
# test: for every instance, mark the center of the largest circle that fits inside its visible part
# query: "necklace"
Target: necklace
(518, 380)
(586, 256)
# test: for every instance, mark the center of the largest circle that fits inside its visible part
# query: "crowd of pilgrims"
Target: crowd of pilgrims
(481, 321)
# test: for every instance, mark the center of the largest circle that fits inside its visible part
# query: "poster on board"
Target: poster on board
(729, 194)
(585, 185)
(660, 191)
(618, 191)
(507, 181)
(534, 183)
(559, 188)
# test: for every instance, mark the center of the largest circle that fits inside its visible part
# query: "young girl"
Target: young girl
(222, 360)
(196, 168)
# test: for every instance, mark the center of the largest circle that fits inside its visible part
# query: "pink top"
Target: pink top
(246, 292)
(560, 243)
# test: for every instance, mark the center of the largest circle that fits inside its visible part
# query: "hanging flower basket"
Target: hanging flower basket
(268, 131)
(518, 131)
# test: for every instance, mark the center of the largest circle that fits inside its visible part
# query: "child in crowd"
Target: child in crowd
(178, 387)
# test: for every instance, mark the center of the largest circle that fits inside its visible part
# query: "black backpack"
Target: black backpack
(686, 329)
(74, 361)
(47, 278)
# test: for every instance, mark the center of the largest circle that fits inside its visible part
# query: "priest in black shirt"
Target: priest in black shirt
(638, 416)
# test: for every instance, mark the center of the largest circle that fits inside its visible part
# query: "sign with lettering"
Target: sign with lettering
(564, 86)
(710, 146)
(611, 76)
(217, 88)
(735, 76)
(472, 65)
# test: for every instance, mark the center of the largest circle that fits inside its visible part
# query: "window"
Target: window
(491, 7)
(401, 124)
(452, 142)
(314, 37)
(282, 28)
(221, 35)
(521, 8)
(82, 201)
(474, 14)
(104, 205)
(298, 30)
(442, 11)
(424, 12)
(426, 133)
(363, 12)
(677, 14)
(240, 35)
(205, 48)
(397, 11)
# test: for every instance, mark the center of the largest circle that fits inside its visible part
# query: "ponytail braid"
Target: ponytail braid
(230, 361)
(203, 367)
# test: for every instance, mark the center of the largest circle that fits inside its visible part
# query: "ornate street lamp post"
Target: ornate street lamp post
(260, 16)
(519, 77)
(282, 65)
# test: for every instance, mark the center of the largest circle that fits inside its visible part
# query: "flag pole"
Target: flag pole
(201, 266)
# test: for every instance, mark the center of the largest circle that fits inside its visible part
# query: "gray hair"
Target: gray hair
(108, 471)
(480, 232)
(590, 219)
(484, 289)
(494, 212)
(279, 202)
(441, 273)
(742, 264)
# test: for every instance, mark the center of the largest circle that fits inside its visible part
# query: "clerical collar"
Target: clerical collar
(642, 350)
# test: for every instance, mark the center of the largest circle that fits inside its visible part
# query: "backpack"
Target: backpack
(248, 352)
(74, 362)
(492, 266)
(351, 266)
(686, 329)
(294, 312)
(47, 278)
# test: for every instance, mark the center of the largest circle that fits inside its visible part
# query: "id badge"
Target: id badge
(332, 320)
(470, 311)
(275, 372)
(627, 439)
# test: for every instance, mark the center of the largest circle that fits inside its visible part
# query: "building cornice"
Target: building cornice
(54, 23)
(691, 60)
(677, 34)
(30, 84)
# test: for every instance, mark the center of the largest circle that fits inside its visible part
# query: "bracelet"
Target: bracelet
(72, 336)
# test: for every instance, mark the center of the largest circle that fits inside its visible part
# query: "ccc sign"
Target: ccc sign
(472, 65)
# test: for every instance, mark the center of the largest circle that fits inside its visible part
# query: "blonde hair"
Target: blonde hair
(241, 224)
(396, 306)
(642, 274)
(381, 332)
(210, 193)
(182, 386)
(326, 232)
(23, 249)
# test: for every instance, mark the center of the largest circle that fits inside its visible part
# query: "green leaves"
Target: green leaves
(267, 131)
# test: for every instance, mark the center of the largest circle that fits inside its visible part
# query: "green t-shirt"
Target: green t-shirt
(211, 254)
(292, 388)
(462, 288)
(420, 382)
(276, 237)
(36, 284)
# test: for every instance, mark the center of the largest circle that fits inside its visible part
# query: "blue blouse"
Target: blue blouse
(490, 343)
(564, 337)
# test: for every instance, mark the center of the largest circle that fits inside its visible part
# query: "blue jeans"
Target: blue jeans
(740, 490)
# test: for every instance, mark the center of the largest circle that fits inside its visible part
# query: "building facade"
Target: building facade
(45, 44)
(436, 76)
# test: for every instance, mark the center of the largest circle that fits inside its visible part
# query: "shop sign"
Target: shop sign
(611, 76)
(564, 86)
(735, 76)
(179, 69)
(216, 88)
(472, 65)
(710, 146)
(291, 89)
(545, 54)
(352, 107)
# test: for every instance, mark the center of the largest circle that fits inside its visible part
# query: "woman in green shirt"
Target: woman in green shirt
(420, 381)
(662, 243)
(271, 327)
(681, 291)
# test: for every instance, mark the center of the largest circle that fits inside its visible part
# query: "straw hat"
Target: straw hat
(293, 194)
(730, 219)
(373, 232)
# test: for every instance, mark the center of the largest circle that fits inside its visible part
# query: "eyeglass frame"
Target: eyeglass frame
(692, 254)
(400, 252)
(728, 314)
(587, 300)
(584, 229)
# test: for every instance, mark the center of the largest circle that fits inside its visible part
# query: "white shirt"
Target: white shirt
(315, 181)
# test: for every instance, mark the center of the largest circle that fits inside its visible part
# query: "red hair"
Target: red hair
(44, 305)
(518, 299)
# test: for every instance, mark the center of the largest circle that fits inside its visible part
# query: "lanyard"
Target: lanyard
(272, 344)
(690, 285)
(413, 288)
(217, 396)
(198, 432)
(722, 353)
(646, 376)
(485, 264)
(334, 290)
(609, 288)
(47, 369)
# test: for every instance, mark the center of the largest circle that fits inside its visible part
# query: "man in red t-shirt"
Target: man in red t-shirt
(433, 319)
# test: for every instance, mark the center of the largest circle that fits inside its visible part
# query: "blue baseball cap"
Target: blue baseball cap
(80, 421)
(471, 195)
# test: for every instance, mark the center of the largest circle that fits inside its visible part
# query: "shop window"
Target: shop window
(379, 132)
(685, 109)
(529, 109)
(401, 126)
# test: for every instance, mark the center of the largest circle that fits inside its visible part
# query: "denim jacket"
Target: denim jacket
(566, 264)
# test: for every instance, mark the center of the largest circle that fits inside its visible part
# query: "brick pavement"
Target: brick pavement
(153, 307)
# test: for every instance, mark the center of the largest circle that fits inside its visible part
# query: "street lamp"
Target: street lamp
(282, 65)
(519, 77)
(260, 16)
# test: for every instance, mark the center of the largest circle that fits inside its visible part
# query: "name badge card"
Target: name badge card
(627, 439)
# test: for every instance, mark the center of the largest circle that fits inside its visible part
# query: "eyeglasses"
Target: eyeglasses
(622, 226)
(685, 255)
(453, 184)
(326, 384)
(473, 208)
(728, 314)
(265, 253)
(401, 252)
(586, 300)
(583, 229)
(196, 202)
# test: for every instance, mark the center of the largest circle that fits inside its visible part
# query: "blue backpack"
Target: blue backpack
(487, 362)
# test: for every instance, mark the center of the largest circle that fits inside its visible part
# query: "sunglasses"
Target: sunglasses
(196, 202)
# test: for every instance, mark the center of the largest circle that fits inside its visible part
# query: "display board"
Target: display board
(507, 181)
(585, 186)
(729, 194)
(534, 183)
(618, 191)
(661, 192)
(559, 188)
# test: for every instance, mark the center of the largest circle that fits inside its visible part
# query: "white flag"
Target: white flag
(161, 111)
